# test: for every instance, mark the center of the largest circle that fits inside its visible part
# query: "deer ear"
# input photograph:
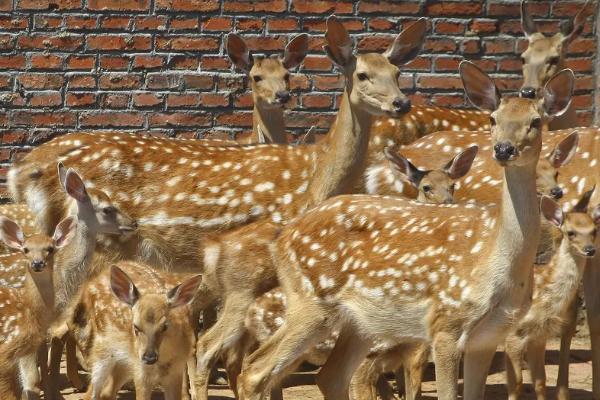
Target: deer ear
(403, 168)
(123, 287)
(407, 44)
(338, 45)
(63, 233)
(552, 211)
(557, 93)
(461, 163)
(564, 151)
(184, 293)
(584, 201)
(75, 187)
(573, 28)
(295, 51)
(262, 138)
(238, 52)
(479, 87)
(527, 23)
(11, 234)
(62, 174)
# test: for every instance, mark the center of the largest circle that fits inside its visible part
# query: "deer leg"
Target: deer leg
(73, 363)
(280, 354)
(513, 350)
(42, 360)
(56, 350)
(361, 386)
(476, 367)
(591, 281)
(234, 357)
(536, 351)
(348, 353)
(446, 358)
(562, 381)
(415, 364)
(30, 376)
(172, 389)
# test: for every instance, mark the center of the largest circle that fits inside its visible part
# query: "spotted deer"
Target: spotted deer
(141, 332)
(21, 214)
(206, 188)
(545, 55)
(401, 177)
(554, 290)
(458, 279)
(269, 79)
(27, 309)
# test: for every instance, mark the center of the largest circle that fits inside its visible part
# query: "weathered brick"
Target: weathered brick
(188, 5)
(183, 62)
(183, 100)
(114, 62)
(148, 62)
(214, 100)
(12, 62)
(187, 43)
(46, 61)
(114, 100)
(151, 23)
(112, 119)
(52, 5)
(81, 82)
(41, 81)
(282, 24)
(119, 42)
(118, 5)
(448, 8)
(184, 24)
(217, 24)
(13, 23)
(321, 7)
(78, 22)
(249, 24)
(115, 23)
(179, 119)
(198, 82)
(43, 118)
(81, 62)
(47, 22)
(450, 27)
(144, 100)
(317, 101)
(50, 42)
(439, 82)
(46, 99)
(215, 63)
(120, 81)
(80, 99)
(270, 6)
(389, 7)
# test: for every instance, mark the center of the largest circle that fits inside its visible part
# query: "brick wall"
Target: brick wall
(158, 65)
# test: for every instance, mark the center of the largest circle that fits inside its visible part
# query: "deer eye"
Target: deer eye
(257, 78)
(492, 121)
(553, 60)
(108, 210)
(426, 188)
(25, 250)
(571, 234)
(536, 123)
(362, 76)
(50, 250)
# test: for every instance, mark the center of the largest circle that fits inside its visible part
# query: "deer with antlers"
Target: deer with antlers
(462, 294)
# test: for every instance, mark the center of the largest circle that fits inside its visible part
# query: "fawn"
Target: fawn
(461, 294)
(21, 214)
(142, 332)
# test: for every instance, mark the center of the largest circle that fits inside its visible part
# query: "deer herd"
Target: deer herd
(407, 233)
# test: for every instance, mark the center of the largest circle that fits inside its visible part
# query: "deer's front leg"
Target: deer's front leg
(591, 282)
(30, 377)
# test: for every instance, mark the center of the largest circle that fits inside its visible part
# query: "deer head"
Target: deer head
(548, 167)
(434, 186)
(151, 312)
(95, 205)
(373, 78)
(545, 54)
(576, 226)
(38, 249)
(517, 123)
(269, 76)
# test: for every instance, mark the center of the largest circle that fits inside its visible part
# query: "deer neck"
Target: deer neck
(341, 158)
(568, 268)
(271, 122)
(40, 286)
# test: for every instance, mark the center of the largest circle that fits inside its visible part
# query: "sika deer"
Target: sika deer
(143, 334)
(554, 290)
(427, 186)
(21, 214)
(461, 294)
(213, 189)
(269, 79)
(27, 312)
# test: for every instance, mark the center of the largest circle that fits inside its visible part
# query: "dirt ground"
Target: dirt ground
(300, 386)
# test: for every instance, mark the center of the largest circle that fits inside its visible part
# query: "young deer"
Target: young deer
(21, 214)
(555, 287)
(427, 186)
(546, 55)
(269, 79)
(213, 189)
(142, 332)
(27, 311)
(460, 290)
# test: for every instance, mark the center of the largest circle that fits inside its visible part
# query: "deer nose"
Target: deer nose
(283, 96)
(556, 193)
(528, 92)
(401, 105)
(150, 357)
(37, 265)
(589, 250)
(504, 151)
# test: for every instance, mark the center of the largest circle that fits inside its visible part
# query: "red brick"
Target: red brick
(299, 82)
(187, 43)
(7, 42)
(119, 5)
(41, 81)
(217, 24)
(317, 63)
(53, 99)
(249, 24)
(225, 82)
(568, 9)
(48, 4)
(448, 100)
(471, 46)
(447, 63)
(189, 119)
(375, 44)
(583, 46)
(214, 100)
(319, 25)
(6, 5)
(488, 65)
(282, 24)
(448, 8)
(439, 82)
(114, 100)
(536, 9)
(119, 42)
(148, 62)
(512, 27)
(160, 80)
(121, 23)
(114, 62)
(215, 63)
(317, 101)
(47, 22)
(329, 82)
(243, 100)
(80, 23)
(50, 42)
(321, 7)
(82, 82)
(499, 46)
(450, 28)
(381, 24)
(154, 23)
(583, 101)
(80, 99)
(510, 65)
(580, 64)
(43, 118)
(12, 62)
(509, 83)
(120, 81)
(81, 62)
(184, 100)
(146, 100)
(483, 26)
(188, 5)
(46, 61)
(271, 6)
(389, 7)
(13, 137)
(436, 45)
(112, 119)
(6, 81)
(197, 82)
(13, 23)
(235, 118)
(184, 23)
(183, 62)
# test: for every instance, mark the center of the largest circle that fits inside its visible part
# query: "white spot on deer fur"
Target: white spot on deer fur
(263, 187)
(286, 198)
(276, 217)
(477, 248)
(174, 181)
(248, 197)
